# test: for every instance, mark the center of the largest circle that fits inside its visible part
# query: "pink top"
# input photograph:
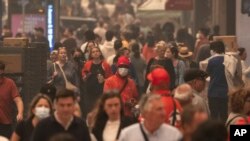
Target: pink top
(148, 52)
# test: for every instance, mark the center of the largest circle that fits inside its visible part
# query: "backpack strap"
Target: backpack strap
(124, 86)
(239, 115)
(174, 112)
(143, 133)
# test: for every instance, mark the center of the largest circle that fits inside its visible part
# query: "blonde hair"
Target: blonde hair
(161, 44)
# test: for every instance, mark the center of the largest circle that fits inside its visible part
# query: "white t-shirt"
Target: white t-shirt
(164, 133)
(110, 131)
(3, 138)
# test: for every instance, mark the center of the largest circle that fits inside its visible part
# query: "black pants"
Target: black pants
(5, 130)
(218, 108)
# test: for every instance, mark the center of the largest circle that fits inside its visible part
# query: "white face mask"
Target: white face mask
(42, 112)
(123, 71)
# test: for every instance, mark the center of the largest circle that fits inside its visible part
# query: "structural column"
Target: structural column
(1, 17)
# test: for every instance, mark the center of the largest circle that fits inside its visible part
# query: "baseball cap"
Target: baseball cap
(158, 76)
(123, 61)
(192, 74)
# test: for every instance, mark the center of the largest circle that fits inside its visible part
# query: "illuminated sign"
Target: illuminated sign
(50, 25)
(179, 5)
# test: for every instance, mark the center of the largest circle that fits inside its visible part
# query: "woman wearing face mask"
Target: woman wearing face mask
(94, 73)
(40, 108)
(125, 85)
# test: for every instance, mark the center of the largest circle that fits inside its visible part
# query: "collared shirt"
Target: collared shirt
(164, 133)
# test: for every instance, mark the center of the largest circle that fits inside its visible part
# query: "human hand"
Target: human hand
(19, 117)
(86, 76)
(54, 74)
(100, 78)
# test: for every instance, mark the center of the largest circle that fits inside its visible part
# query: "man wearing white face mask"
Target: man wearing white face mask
(125, 85)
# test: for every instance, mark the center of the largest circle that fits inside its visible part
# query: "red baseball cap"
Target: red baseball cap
(158, 76)
(123, 61)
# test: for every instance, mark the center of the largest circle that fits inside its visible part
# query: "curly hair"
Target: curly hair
(238, 99)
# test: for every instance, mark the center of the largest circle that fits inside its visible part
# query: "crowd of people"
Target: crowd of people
(119, 84)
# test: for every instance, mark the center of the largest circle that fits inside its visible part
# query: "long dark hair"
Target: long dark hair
(101, 116)
(136, 50)
(174, 51)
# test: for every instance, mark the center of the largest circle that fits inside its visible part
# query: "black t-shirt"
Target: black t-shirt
(24, 129)
(49, 127)
(93, 86)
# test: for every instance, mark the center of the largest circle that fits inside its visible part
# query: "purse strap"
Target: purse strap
(238, 115)
(174, 112)
(54, 64)
(143, 133)
(64, 76)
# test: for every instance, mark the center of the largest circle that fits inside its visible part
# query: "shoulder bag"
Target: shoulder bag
(68, 85)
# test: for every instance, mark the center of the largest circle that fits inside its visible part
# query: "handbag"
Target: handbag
(68, 85)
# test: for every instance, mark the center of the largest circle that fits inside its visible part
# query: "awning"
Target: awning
(153, 5)
(160, 5)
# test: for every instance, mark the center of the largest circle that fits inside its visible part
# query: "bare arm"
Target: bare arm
(19, 105)
(15, 137)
